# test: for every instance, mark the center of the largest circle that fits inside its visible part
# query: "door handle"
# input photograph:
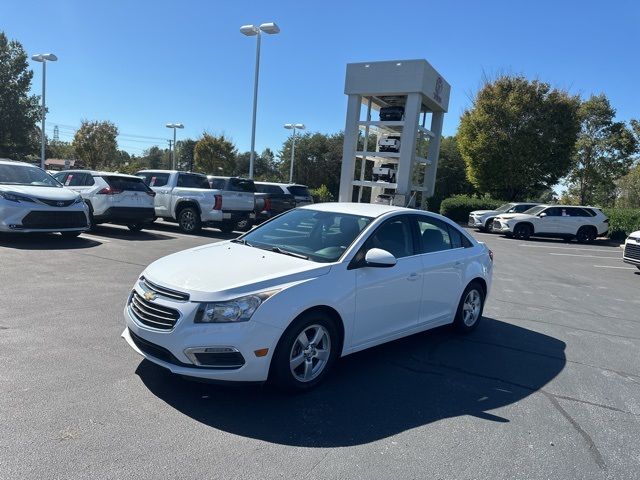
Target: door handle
(413, 276)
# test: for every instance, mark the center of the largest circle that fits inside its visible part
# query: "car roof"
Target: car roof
(362, 209)
(98, 173)
(282, 184)
(575, 206)
(8, 161)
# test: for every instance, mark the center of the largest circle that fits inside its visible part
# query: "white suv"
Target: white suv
(483, 219)
(33, 201)
(112, 197)
(584, 224)
(632, 249)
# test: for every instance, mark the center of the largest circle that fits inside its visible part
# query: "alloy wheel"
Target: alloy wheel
(187, 220)
(310, 353)
(471, 307)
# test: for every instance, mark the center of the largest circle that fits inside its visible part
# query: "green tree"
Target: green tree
(19, 111)
(59, 149)
(154, 157)
(604, 153)
(185, 150)
(264, 168)
(629, 189)
(214, 155)
(451, 178)
(518, 137)
(95, 143)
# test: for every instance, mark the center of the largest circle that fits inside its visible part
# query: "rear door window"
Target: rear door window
(217, 183)
(299, 190)
(190, 180)
(274, 189)
(434, 235)
(241, 185)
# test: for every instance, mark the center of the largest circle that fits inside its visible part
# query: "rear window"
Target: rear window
(241, 185)
(299, 190)
(217, 183)
(189, 180)
(154, 179)
(126, 184)
(269, 189)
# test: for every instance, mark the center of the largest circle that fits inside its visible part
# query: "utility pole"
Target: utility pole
(171, 153)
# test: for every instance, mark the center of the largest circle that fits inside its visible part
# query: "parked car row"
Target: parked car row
(525, 220)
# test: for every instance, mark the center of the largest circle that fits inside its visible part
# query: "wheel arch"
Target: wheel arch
(326, 309)
(481, 281)
(525, 222)
(182, 204)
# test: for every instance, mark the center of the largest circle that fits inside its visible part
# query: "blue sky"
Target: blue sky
(144, 63)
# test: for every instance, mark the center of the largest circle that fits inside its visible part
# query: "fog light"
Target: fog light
(215, 357)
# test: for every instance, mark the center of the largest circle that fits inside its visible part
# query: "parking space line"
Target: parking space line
(610, 266)
(585, 256)
(567, 248)
(97, 239)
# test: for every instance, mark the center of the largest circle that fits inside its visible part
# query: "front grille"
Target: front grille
(163, 291)
(497, 225)
(632, 251)
(152, 314)
(56, 203)
(52, 220)
(472, 220)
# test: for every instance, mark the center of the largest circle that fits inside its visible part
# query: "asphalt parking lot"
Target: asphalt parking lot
(548, 386)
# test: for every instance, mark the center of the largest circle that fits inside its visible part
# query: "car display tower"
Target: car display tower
(407, 95)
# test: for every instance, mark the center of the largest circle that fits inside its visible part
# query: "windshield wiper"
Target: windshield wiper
(287, 252)
(241, 241)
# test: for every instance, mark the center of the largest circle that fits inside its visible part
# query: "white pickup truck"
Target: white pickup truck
(185, 197)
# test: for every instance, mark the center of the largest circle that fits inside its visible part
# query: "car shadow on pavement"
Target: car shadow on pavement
(379, 392)
(598, 242)
(171, 227)
(45, 241)
(123, 233)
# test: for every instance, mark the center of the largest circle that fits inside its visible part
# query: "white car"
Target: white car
(483, 219)
(112, 197)
(584, 224)
(389, 143)
(285, 300)
(632, 249)
(300, 193)
(31, 201)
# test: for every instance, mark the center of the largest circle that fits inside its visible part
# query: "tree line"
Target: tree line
(518, 140)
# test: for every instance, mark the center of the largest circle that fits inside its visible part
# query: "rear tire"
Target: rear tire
(227, 227)
(189, 220)
(70, 234)
(135, 227)
(586, 235)
(299, 367)
(470, 308)
(243, 225)
(522, 231)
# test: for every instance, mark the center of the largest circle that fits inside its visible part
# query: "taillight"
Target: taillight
(217, 205)
(151, 193)
(491, 255)
(267, 205)
(109, 191)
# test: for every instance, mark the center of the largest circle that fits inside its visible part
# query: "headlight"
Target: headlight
(236, 310)
(14, 197)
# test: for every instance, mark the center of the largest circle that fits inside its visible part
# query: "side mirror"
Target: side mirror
(542, 215)
(376, 257)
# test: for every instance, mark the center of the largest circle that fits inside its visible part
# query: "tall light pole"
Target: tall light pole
(294, 127)
(250, 31)
(173, 150)
(43, 58)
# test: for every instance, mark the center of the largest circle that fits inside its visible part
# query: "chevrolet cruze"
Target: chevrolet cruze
(284, 301)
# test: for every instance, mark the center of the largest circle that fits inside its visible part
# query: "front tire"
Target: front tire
(488, 226)
(470, 308)
(305, 353)
(522, 231)
(227, 227)
(189, 220)
(135, 227)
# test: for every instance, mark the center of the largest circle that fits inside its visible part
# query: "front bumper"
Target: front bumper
(500, 227)
(475, 222)
(631, 253)
(36, 218)
(171, 349)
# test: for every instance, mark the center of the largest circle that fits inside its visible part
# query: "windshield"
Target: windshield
(504, 207)
(534, 210)
(318, 236)
(26, 175)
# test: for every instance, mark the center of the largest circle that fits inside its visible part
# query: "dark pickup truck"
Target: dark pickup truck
(271, 201)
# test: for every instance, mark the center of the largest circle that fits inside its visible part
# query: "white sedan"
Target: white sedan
(285, 300)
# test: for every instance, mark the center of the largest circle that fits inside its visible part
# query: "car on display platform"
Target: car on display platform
(112, 197)
(393, 113)
(282, 302)
(483, 219)
(389, 143)
(584, 224)
(33, 201)
(631, 250)
(385, 173)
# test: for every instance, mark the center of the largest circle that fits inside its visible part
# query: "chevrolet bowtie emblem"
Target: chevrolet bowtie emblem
(149, 296)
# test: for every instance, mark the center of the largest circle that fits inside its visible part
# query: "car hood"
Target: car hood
(482, 212)
(509, 216)
(48, 193)
(226, 270)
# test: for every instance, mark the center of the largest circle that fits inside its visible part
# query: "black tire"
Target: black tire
(70, 234)
(189, 220)
(243, 225)
(522, 231)
(227, 227)
(92, 222)
(586, 234)
(283, 375)
(488, 225)
(135, 227)
(464, 322)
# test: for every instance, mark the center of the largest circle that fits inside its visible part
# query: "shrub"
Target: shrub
(457, 208)
(622, 221)
(321, 194)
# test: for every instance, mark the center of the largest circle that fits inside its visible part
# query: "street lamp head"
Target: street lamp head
(175, 125)
(288, 126)
(249, 30)
(299, 126)
(271, 28)
(43, 57)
